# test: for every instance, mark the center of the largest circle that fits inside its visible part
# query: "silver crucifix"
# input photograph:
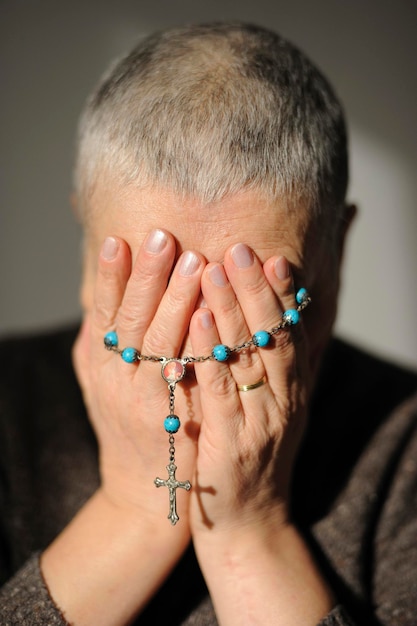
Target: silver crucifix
(173, 484)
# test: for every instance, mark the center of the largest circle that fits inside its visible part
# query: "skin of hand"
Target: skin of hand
(248, 440)
(121, 397)
(254, 560)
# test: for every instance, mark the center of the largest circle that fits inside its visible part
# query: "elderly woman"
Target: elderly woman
(211, 179)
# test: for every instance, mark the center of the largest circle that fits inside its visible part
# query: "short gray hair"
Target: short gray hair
(214, 109)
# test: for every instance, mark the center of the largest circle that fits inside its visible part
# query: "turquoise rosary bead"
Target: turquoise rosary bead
(172, 424)
(291, 317)
(221, 352)
(130, 355)
(301, 295)
(261, 338)
(111, 340)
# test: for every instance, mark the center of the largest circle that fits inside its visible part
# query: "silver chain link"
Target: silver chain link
(209, 357)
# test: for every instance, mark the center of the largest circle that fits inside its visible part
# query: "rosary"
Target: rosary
(173, 371)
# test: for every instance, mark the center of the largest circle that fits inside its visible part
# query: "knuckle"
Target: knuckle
(127, 318)
(229, 314)
(144, 275)
(256, 288)
(227, 310)
(177, 301)
(249, 358)
(222, 385)
(156, 341)
(107, 272)
(103, 316)
(129, 321)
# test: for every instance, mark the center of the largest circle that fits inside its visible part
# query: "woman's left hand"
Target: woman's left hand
(248, 439)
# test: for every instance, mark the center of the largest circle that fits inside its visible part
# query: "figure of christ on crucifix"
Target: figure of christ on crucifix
(173, 484)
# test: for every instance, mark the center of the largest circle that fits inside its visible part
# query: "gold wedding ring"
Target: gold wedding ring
(259, 383)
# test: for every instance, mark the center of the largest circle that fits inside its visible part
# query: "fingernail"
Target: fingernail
(156, 241)
(188, 264)
(110, 248)
(218, 276)
(206, 319)
(242, 256)
(282, 268)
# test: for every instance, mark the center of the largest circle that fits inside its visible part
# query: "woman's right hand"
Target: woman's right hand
(127, 403)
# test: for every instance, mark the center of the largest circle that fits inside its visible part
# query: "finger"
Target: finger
(168, 329)
(245, 365)
(228, 413)
(145, 288)
(278, 273)
(218, 392)
(262, 308)
(113, 271)
(259, 304)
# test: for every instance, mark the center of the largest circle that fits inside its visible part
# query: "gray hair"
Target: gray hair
(214, 109)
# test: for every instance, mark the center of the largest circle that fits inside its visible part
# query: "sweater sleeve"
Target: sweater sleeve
(204, 615)
(337, 617)
(25, 600)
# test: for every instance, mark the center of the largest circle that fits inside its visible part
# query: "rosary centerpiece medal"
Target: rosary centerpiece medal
(172, 371)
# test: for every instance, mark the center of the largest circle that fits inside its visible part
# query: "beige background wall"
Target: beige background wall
(51, 54)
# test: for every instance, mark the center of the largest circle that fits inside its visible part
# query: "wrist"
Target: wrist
(249, 520)
(105, 545)
(148, 513)
(147, 491)
(258, 572)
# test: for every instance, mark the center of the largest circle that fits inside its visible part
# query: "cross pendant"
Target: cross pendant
(173, 484)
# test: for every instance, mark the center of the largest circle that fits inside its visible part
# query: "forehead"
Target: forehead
(270, 228)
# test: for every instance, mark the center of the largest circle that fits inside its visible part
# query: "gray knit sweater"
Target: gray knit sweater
(355, 487)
